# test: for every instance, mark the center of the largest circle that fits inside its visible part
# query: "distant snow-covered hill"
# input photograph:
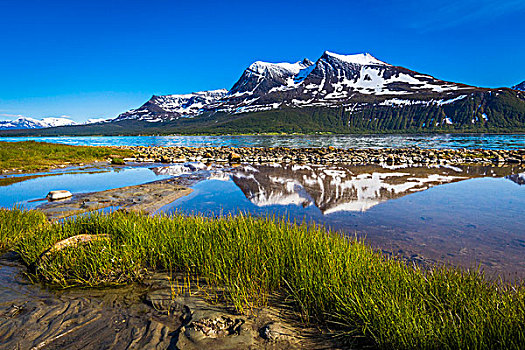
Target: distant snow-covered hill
(48, 122)
(168, 107)
(31, 123)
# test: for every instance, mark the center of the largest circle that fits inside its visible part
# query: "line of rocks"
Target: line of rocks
(328, 155)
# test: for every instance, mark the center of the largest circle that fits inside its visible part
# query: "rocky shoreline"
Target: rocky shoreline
(328, 155)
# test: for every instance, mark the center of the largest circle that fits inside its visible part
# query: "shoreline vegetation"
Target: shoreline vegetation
(30, 156)
(366, 298)
(66, 131)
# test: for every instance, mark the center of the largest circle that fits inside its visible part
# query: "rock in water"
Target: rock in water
(234, 157)
(60, 194)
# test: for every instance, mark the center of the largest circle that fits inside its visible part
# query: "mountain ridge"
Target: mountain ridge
(520, 86)
(336, 93)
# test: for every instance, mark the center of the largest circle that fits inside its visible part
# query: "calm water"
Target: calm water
(465, 215)
(73, 180)
(340, 141)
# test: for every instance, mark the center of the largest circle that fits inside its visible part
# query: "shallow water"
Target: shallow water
(74, 180)
(467, 216)
(486, 141)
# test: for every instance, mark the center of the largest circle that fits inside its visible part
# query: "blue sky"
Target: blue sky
(95, 59)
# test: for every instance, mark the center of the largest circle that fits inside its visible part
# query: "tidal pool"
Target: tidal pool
(27, 193)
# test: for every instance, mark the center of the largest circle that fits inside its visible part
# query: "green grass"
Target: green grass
(31, 155)
(367, 298)
(117, 161)
(16, 224)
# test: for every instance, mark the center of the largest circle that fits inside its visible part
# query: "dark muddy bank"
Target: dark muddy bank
(158, 313)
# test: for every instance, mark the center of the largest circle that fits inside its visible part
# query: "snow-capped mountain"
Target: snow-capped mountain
(50, 122)
(336, 93)
(262, 77)
(334, 80)
(336, 77)
(520, 86)
(31, 123)
(168, 107)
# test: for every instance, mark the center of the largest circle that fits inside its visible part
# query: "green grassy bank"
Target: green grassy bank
(31, 155)
(368, 298)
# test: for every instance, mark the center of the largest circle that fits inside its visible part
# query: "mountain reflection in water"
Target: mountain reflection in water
(335, 188)
(473, 219)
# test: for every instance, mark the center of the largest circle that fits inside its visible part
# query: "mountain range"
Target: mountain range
(31, 123)
(48, 122)
(336, 93)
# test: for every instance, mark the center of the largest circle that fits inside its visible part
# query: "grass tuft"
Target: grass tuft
(368, 298)
(16, 224)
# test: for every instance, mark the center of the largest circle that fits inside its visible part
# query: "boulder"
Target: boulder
(234, 157)
(59, 194)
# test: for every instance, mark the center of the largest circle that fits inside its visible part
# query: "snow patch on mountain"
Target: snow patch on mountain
(449, 101)
(363, 59)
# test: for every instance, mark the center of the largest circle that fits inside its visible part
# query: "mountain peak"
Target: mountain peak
(218, 92)
(306, 62)
(363, 59)
(261, 67)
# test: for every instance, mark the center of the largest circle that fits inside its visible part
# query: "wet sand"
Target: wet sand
(155, 314)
